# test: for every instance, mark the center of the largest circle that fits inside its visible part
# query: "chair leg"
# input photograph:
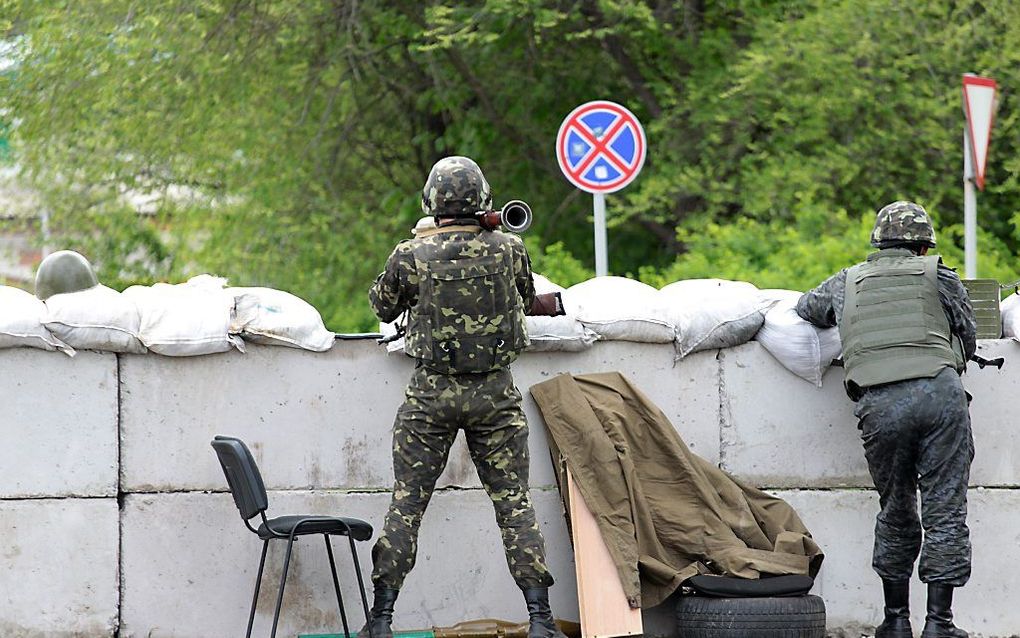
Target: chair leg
(336, 586)
(283, 583)
(258, 584)
(361, 583)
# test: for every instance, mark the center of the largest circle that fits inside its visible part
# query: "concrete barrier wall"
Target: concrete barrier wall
(59, 521)
(115, 517)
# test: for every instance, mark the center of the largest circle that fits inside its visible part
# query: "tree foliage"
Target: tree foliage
(285, 143)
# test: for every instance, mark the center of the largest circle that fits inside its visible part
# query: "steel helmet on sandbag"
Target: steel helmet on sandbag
(64, 271)
(900, 223)
(455, 187)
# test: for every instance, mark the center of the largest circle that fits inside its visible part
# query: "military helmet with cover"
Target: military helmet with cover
(455, 187)
(902, 222)
(64, 271)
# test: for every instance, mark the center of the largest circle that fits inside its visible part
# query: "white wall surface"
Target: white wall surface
(58, 424)
(174, 559)
(58, 567)
(324, 420)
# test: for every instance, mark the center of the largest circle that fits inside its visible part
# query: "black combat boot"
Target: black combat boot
(897, 610)
(381, 620)
(540, 615)
(939, 622)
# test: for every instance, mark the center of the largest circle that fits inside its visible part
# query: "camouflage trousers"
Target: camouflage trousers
(917, 434)
(487, 407)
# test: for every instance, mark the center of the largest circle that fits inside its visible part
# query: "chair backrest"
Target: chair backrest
(243, 476)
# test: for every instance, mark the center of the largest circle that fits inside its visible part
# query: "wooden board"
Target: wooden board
(603, 605)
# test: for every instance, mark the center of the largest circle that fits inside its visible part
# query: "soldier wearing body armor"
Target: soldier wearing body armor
(907, 329)
(466, 291)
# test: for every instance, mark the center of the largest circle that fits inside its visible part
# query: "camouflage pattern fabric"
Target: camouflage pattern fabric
(455, 187)
(466, 291)
(902, 222)
(823, 306)
(917, 434)
(487, 407)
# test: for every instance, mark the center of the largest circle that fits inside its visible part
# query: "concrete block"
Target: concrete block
(778, 430)
(987, 605)
(843, 524)
(687, 391)
(324, 420)
(59, 424)
(189, 565)
(58, 568)
(993, 415)
(311, 419)
(781, 431)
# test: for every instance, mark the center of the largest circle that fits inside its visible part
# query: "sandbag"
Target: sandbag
(544, 286)
(182, 320)
(712, 313)
(95, 319)
(800, 346)
(21, 322)
(617, 308)
(1010, 308)
(556, 334)
(275, 317)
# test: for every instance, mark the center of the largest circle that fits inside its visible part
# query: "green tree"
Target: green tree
(285, 143)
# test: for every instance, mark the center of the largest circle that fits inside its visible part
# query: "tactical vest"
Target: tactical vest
(469, 316)
(893, 326)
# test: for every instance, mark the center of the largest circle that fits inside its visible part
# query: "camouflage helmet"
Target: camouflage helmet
(64, 271)
(902, 222)
(455, 188)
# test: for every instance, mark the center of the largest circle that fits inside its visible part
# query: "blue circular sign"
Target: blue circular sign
(601, 147)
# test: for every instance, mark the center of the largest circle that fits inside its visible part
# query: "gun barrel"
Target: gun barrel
(514, 216)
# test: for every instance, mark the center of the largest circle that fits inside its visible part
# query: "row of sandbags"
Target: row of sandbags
(693, 314)
(202, 316)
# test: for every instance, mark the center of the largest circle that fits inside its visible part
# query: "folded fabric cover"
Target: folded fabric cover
(665, 513)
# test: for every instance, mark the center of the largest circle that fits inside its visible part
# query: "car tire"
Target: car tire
(779, 617)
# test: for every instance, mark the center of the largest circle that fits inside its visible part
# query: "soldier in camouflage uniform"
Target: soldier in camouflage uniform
(907, 328)
(466, 291)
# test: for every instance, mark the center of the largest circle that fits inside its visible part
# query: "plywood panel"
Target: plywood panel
(603, 605)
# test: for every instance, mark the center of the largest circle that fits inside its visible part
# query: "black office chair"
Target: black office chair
(249, 494)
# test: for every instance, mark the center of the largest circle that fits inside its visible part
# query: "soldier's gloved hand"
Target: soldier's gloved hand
(549, 304)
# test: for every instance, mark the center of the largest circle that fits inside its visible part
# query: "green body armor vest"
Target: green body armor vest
(893, 326)
(469, 316)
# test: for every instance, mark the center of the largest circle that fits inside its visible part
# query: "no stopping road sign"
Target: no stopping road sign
(601, 147)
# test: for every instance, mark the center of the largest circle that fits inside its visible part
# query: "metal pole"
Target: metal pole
(44, 228)
(601, 250)
(969, 211)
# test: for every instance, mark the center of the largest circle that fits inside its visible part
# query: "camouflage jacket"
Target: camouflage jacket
(823, 306)
(465, 291)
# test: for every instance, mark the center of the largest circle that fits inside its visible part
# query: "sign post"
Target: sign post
(601, 247)
(979, 109)
(600, 149)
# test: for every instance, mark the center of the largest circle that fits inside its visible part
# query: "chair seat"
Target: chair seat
(282, 526)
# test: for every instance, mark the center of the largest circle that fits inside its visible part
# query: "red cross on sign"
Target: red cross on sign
(601, 147)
